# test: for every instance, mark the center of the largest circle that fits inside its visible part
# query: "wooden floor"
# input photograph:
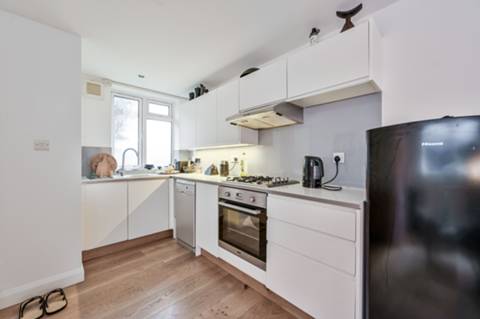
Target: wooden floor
(160, 280)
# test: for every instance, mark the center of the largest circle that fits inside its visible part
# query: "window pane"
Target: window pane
(158, 109)
(125, 129)
(158, 142)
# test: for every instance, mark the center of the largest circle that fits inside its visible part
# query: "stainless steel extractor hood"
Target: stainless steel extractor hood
(276, 115)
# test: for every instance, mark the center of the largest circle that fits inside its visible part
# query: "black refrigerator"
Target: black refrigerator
(423, 220)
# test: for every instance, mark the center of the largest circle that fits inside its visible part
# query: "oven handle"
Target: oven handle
(242, 209)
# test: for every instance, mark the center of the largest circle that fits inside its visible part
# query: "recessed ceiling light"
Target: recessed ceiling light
(141, 76)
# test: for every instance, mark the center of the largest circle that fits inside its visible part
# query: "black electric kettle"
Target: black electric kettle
(312, 172)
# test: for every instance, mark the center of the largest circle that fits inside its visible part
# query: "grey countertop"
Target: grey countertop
(348, 197)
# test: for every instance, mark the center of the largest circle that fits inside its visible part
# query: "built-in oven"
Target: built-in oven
(243, 224)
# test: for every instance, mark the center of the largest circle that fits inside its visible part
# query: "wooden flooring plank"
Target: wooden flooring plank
(200, 300)
(160, 280)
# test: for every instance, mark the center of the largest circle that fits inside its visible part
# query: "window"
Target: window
(158, 109)
(144, 125)
(125, 129)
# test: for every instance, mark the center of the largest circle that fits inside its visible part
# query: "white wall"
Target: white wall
(97, 115)
(431, 59)
(40, 220)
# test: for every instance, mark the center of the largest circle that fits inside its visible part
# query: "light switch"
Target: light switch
(41, 145)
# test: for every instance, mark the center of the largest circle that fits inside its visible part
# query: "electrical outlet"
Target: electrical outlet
(341, 155)
(41, 145)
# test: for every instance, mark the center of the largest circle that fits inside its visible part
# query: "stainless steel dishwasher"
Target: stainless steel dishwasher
(185, 212)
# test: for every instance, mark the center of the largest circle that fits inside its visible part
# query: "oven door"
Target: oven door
(243, 231)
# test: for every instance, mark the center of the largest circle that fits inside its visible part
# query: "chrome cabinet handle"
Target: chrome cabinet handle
(242, 209)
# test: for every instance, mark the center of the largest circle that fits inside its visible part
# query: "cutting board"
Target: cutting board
(103, 164)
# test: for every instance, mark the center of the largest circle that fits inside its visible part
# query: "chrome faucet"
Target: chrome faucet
(122, 170)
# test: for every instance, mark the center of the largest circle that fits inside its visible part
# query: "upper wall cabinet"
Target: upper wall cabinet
(227, 105)
(206, 126)
(340, 67)
(202, 121)
(187, 124)
(265, 86)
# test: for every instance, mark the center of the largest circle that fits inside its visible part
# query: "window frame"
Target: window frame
(143, 116)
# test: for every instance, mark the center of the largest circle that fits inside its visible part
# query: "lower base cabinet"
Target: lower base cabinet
(317, 289)
(104, 208)
(207, 217)
(120, 210)
(314, 256)
(148, 207)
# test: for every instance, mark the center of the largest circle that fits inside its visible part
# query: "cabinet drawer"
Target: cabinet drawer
(317, 289)
(332, 251)
(267, 85)
(329, 219)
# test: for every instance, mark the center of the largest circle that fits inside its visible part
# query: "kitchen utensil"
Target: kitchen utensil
(211, 170)
(103, 164)
(181, 166)
(224, 169)
(312, 172)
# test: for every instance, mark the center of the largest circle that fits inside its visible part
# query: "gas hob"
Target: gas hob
(266, 181)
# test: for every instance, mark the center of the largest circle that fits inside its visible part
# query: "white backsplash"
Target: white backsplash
(336, 127)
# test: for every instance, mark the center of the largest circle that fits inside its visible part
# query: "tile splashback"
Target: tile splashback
(335, 127)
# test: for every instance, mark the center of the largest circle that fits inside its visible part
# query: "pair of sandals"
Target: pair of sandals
(39, 306)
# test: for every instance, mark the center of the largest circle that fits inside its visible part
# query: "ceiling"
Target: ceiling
(177, 44)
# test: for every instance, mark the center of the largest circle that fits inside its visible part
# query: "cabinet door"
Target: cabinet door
(315, 288)
(148, 204)
(267, 85)
(227, 105)
(207, 217)
(187, 124)
(206, 126)
(105, 214)
(335, 61)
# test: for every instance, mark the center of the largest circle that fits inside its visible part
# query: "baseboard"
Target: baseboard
(124, 245)
(257, 286)
(16, 295)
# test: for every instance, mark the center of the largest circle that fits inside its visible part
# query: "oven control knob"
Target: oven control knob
(239, 195)
(252, 199)
(227, 194)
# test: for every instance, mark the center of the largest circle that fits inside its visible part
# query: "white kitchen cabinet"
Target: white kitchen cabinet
(202, 121)
(329, 219)
(187, 124)
(228, 105)
(316, 288)
(265, 86)
(329, 250)
(207, 217)
(148, 207)
(342, 66)
(206, 120)
(314, 256)
(105, 214)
